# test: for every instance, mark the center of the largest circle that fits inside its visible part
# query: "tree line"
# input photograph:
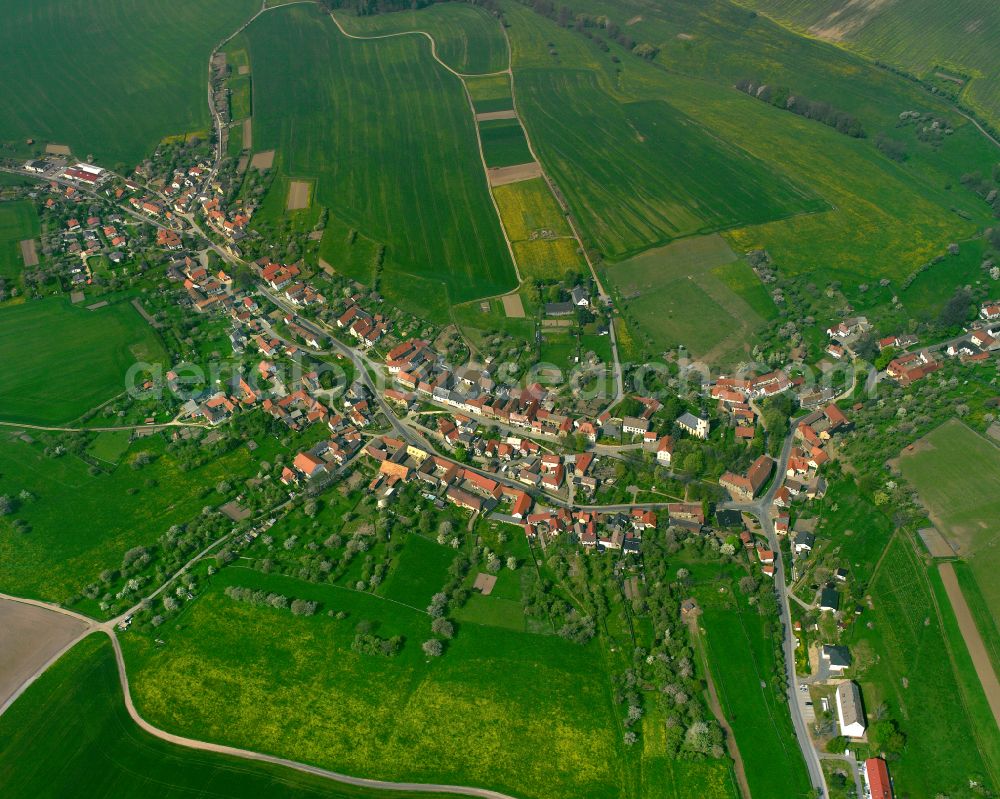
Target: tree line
(782, 97)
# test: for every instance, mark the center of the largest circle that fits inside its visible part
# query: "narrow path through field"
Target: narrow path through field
(33, 636)
(472, 110)
(716, 707)
(56, 429)
(605, 297)
(973, 640)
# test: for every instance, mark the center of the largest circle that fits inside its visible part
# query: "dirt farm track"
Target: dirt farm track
(973, 641)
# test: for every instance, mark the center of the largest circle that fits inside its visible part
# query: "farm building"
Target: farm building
(850, 714)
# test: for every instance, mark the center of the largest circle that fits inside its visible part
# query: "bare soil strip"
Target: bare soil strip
(512, 305)
(29, 637)
(488, 115)
(298, 195)
(57, 149)
(244, 69)
(936, 543)
(501, 176)
(248, 134)
(973, 641)
(264, 160)
(29, 253)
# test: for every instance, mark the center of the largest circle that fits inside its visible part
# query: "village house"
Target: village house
(748, 486)
(876, 776)
(664, 450)
(633, 425)
(990, 311)
(836, 658)
(909, 368)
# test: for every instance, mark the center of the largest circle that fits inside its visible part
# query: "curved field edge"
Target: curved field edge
(388, 135)
(885, 218)
(468, 38)
(79, 358)
(501, 709)
(962, 47)
(93, 748)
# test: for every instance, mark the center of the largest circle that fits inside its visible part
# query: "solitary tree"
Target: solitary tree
(433, 648)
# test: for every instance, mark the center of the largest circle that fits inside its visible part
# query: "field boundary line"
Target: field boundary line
(970, 635)
(804, 33)
(475, 123)
(715, 705)
(247, 754)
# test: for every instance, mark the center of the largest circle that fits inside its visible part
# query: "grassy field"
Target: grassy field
(388, 137)
(885, 218)
(93, 748)
(923, 298)
(110, 446)
(543, 241)
(419, 574)
(635, 172)
(859, 531)
(500, 708)
(110, 77)
(18, 220)
(962, 43)
(741, 659)
(239, 80)
(490, 93)
(504, 143)
(548, 258)
(906, 662)
(528, 207)
(82, 523)
(965, 511)
(693, 292)
(79, 358)
(468, 38)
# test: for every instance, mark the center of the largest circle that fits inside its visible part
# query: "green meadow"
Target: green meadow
(501, 709)
(965, 511)
(923, 677)
(79, 358)
(490, 92)
(741, 658)
(387, 135)
(504, 143)
(109, 77)
(963, 44)
(639, 174)
(93, 748)
(694, 292)
(81, 522)
(18, 221)
(467, 38)
(833, 205)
